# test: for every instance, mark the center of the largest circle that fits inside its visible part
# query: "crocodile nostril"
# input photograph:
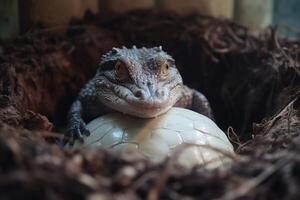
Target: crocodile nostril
(160, 93)
(139, 94)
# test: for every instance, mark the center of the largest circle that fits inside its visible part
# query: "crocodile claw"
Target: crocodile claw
(76, 131)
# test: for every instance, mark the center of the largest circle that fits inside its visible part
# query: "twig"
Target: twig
(253, 183)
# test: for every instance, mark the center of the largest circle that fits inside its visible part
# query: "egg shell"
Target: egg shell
(159, 137)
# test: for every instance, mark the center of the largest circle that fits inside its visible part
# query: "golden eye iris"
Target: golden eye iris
(164, 70)
(121, 71)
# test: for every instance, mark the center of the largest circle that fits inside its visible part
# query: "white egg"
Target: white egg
(159, 137)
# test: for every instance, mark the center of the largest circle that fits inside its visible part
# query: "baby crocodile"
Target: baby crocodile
(142, 82)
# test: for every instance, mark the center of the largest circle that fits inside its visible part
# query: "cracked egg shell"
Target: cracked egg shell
(157, 138)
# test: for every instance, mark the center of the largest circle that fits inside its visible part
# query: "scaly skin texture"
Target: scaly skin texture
(142, 82)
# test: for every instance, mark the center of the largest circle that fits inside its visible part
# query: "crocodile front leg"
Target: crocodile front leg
(76, 125)
(196, 101)
(84, 108)
(201, 105)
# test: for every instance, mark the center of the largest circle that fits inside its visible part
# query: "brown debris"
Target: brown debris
(10, 115)
(43, 72)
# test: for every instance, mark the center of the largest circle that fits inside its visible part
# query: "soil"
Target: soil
(251, 80)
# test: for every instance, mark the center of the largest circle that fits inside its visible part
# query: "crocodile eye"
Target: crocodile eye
(121, 71)
(164, 70)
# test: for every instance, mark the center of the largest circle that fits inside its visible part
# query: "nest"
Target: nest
(252, 82)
